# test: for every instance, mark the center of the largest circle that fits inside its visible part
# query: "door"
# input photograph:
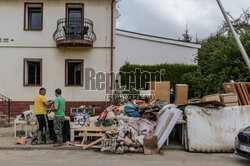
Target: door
(75, 21)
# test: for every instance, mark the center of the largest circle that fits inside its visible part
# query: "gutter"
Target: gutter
(112, 45)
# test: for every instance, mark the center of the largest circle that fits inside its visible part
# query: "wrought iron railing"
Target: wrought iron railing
(74, 28)
(8, 101)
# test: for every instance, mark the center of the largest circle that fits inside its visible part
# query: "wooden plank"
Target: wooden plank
(181, 94)
(150, 145)
(212, 97)
(230, 88)
(92, 134)
(240, 93)
(245, 92)
(92, 128)
(231, 104)
(92, 143)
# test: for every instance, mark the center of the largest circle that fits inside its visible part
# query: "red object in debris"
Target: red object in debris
(103, 115)
(20, 141)
(141, 101)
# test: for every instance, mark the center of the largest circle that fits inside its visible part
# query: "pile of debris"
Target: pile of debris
(134, 122)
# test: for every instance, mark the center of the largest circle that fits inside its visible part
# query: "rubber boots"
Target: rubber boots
(48, 140)
(59, 141)
(40, 137)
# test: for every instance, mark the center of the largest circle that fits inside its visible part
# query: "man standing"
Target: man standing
(40, 110)
(59, 108)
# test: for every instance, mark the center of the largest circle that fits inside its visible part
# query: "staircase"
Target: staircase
(5, 119)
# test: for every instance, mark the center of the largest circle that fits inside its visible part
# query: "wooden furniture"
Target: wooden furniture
(88, 131)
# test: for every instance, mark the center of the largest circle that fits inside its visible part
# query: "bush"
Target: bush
(173, 73)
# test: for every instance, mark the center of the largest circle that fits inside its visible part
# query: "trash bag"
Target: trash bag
(130, 111)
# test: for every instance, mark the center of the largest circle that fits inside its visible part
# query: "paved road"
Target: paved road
(90, 158)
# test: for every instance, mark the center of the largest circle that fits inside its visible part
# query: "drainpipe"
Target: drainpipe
(112, 45)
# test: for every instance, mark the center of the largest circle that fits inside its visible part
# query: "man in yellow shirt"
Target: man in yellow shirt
(40, 107)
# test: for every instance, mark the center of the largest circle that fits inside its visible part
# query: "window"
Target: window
(32, 72)
(74, 72)
(33, 16)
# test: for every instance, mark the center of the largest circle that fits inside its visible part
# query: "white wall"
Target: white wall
(214, 130)
(137, 49)
(40, 44)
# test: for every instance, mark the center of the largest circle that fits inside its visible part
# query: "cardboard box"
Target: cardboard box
(213, 97)
(161, 90)
(231, 104)
(228, 98)
(181, 94)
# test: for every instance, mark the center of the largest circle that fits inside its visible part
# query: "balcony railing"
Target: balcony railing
(74, 32)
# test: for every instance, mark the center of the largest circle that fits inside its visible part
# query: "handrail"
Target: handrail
(74, 28)
(7, 100)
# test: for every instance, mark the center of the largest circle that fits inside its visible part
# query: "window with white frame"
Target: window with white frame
(74, 72)
(32, 72)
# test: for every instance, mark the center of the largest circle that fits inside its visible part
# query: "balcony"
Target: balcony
(74, 32)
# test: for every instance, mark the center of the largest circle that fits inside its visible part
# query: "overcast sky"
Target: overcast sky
(168, 18)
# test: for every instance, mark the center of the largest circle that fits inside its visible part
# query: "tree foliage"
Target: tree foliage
(220, 60)
(186, 36)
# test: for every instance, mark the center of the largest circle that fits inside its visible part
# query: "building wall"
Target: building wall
(12, 21)
(40, 44)
(137, 49)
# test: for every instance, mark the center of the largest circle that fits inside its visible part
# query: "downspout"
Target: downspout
(112, 45)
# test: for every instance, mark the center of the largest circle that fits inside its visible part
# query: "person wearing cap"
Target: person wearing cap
(40, 110)
(59, 109)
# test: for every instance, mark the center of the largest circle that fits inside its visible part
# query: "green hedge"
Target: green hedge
(173, 73)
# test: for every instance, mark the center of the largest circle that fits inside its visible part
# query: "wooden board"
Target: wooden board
(91, 134)
(240, 93)
(228, 98)
(181, 94)
(161, 90)
(90, 128)
(230, 88)
(213, 97)
(150, 145)
(231, 104)
(245, 92)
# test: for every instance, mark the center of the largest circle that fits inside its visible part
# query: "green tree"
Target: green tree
(186, 36)
(220, 60)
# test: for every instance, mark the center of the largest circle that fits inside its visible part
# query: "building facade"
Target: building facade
(143, 49)
(51, 43)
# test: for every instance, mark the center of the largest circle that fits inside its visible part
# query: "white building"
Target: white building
(50, 43)
(142, 49)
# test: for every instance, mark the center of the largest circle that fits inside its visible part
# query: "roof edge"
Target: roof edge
(157, 38)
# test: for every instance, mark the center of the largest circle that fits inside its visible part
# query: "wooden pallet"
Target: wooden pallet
(87, 131)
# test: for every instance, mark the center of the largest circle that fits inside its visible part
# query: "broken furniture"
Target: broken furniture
(24, 119)
(87, 131)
